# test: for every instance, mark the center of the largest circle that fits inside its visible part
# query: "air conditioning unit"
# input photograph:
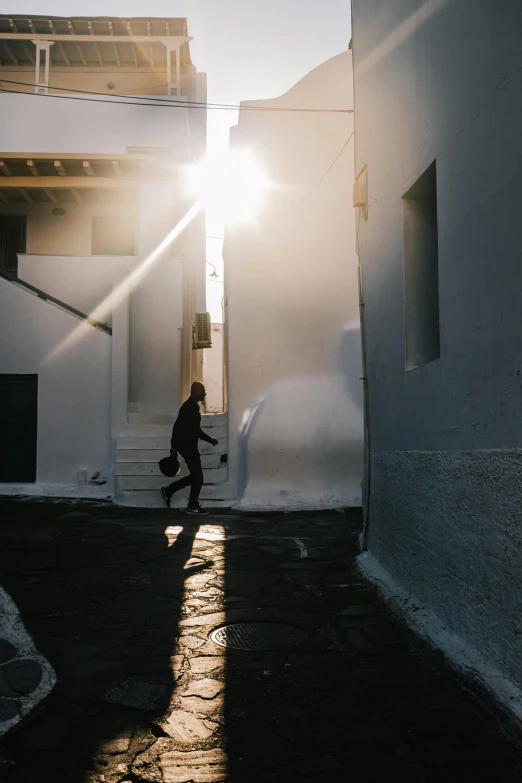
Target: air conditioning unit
(201, 337)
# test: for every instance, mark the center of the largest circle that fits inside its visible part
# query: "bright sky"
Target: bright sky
(249, 50)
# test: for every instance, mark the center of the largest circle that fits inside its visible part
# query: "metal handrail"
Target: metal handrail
(53, 300)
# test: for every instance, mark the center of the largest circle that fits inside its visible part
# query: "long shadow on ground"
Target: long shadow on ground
(360, 699)
(101, 592)
(123, 608)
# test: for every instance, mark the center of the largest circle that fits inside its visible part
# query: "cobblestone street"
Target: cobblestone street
(121, 603)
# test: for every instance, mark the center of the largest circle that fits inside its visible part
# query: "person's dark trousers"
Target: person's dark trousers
(194, 480)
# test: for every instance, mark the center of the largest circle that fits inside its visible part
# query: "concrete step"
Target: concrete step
(150, 499)
(148, 481)
(168, 419)
(162, 441)
(222, 496)
(148, 461)
(214, 420)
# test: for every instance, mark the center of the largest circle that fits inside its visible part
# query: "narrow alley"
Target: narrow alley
(123, 604)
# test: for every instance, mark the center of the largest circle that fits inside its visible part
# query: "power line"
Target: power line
(164, 102)
(328, 170)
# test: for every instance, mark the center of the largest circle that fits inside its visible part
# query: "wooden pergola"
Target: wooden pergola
(40, 43)
(71, 177)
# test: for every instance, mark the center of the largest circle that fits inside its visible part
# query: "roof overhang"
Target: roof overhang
(96, 42)
(59, 178)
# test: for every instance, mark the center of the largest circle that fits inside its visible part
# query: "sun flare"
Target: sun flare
(234, 186)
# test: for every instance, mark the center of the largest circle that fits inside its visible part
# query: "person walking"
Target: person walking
(185, 435)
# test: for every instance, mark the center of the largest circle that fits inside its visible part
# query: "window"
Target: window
(113, 235)
(12, 241)
(421, 271)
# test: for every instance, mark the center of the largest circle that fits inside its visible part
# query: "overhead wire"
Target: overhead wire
(168, 102)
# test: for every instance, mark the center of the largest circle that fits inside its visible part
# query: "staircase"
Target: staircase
(137, 475)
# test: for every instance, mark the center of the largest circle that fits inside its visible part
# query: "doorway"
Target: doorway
(13, 230)
(18, 428)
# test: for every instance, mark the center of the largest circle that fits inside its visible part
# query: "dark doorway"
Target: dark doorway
(18, 427)
(12, 241)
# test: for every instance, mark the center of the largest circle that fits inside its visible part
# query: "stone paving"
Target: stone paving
(121, 603)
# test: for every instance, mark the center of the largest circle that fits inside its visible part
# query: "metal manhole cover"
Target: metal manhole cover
(258, 636)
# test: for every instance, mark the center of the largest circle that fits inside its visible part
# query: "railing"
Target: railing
(52, 300)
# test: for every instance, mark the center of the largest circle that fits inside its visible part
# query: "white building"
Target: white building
(293, 342)
(97, 219)
(439, 143)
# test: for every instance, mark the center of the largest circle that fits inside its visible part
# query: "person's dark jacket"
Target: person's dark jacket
(187, 427)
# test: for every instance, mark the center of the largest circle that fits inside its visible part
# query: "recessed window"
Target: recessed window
(113, 236)
(421, 271)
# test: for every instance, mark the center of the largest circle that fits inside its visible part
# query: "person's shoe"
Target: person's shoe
(197, 510)
(165, 496)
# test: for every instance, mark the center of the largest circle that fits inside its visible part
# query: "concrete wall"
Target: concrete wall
(65, 235)
(441, 81)
(294, 364)
(74, 394)
(213, 371)
(83, 283)
(59, 125)
(132, 81)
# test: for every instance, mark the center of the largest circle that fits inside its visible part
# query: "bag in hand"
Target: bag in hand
(169, 466)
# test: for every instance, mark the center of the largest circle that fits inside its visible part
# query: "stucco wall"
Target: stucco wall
(64, 235)
(213, 371)
(132, 81)
(441, 82)
(294, 365)
(83, 283)
(73, 383)
(54, 124)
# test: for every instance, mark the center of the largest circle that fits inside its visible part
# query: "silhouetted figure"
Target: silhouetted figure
(185, 435)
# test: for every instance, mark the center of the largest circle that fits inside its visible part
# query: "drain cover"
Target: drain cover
(258, 636)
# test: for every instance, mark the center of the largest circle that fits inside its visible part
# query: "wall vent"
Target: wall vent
(201, 331)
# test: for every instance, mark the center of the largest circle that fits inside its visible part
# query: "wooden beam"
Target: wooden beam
(9, 51)
(27, 196)
(115, 46)
(52, 197)
(176, 40)
(58, 165)
(64, 183)
(77, 196)
(61, 47)
(88, 168)
(151, 53)
(135, 56)
(15, 35)
(93, 157)
(4, 168)
(96, 47)
(32, 168)
(141, 49)
(116, 168)
(78, 46)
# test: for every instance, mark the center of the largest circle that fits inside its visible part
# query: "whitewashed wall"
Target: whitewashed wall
(294, 364)
(69, 234)
(443, 83)
(73, 384)
(58, 125)
(213, 371)
(82, 282)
